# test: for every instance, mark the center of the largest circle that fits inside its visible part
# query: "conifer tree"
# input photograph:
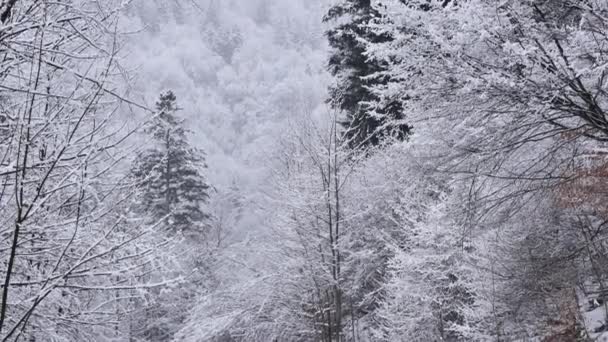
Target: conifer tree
(169, 173)
(174, 193)
(369, 118)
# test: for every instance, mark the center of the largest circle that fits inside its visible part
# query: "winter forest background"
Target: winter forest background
(303, 170)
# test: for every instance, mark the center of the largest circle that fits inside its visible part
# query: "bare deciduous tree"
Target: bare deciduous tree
(71, 249)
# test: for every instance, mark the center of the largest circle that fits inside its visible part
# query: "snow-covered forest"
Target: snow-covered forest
(303, 170)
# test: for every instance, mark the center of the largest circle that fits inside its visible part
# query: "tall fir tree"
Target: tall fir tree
(368, 118)
(169, 174)
(174, 192)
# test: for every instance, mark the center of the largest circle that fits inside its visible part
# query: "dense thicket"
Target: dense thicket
(73, 255)
(80, 260)
(485, 224)
(516, 93)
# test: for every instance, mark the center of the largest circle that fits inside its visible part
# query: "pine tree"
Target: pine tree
(368, 117)
(169, 173)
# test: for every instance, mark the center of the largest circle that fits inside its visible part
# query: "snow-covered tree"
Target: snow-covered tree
(369, 118)
(73, 254)
(523, 87)
(173, 191)
(169, 173)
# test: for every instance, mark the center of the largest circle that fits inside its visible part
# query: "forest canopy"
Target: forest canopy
(291, 170)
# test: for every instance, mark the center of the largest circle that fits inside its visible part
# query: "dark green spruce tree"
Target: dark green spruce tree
(173, 192)
(169, 173)
(369, 119)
